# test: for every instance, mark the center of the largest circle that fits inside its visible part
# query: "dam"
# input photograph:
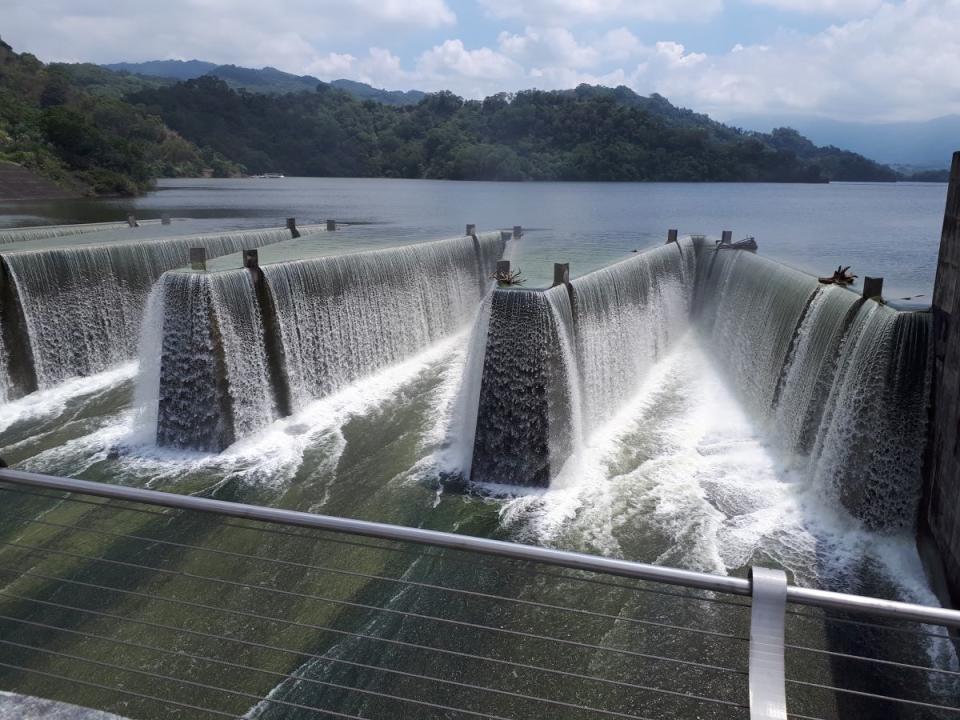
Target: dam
(282, 493)
(74, 309)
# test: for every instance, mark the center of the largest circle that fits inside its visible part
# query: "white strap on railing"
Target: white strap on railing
(768, 697)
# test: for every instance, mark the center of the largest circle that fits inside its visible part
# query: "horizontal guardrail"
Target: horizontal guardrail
(758, 658)
(571, 560)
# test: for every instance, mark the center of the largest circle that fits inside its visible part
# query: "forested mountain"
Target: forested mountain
(110, 132)
(590, 133)
(264, 80)
(86, 143)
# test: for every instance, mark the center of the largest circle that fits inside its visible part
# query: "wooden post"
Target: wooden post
(331, 225)
(561, 274)
(292, 227)
(517, 232)
(671, 236)
(198, 258)
(471, 229)
(726, 237)
(872, 287)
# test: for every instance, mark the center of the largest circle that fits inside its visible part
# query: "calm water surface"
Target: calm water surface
(879, 229)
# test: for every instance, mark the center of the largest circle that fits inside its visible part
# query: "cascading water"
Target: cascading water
(82, 305)
(524, 428)
(343, 317)
(22, 234)
(869, 449)
(836, 379)
(554, 371)
(213, 381)
(627, 315)
(751, 308)
(303, 330)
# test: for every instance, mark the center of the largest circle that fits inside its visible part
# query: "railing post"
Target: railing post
(768, 696)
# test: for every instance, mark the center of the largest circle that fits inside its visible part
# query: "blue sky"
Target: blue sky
(847, 59)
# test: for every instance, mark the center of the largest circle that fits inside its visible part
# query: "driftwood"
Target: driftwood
(748, 243)
(508, 277)
(841, 276)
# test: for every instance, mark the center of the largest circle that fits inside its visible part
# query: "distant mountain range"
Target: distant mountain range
(927, 144)
(267, 80)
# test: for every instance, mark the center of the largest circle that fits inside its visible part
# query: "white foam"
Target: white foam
(52, 402)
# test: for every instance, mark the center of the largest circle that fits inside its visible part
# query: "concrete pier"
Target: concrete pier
(517, 232)
(872, 288)
(561, 274)
(292, 227)
(331, 225)
(671, 236)
(939, 522)
(471, 229)
(726, 237)
(503, 267)
(198, 258)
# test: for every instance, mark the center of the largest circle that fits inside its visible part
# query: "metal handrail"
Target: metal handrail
(572, 560)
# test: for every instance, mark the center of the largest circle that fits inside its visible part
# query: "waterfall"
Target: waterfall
(82, 305)
(627, 315)
(836, 379)
(555, 370)
(806, 382)
(39, 232)
(869, 448)
(342, 317)
(751, 309)
(214, 384)
(524, 429)
(238, 354)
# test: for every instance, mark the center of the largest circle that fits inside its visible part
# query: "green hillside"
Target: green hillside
(91, 143)
(590, 133)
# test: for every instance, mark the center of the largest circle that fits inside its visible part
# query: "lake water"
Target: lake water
(879, 229)
(683, 475)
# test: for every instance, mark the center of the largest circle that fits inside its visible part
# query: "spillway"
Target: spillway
(243, 347)
(838, 382)
(76, 310)
(39, 232)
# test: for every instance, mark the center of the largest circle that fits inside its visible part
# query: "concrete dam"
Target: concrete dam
(70, 310)
(240, 348)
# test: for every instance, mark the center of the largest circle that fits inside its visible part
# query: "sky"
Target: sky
(860, 60)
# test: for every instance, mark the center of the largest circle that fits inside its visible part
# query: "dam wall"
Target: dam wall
(560, 362)
(76, 310)
(40, 232)
(939, 527)
(836, 381)
(240, 348)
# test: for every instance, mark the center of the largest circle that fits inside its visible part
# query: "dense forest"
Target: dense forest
(87, 143)
(111, 132)
(590, 133)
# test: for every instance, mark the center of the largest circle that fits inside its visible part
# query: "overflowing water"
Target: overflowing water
(240, 349)
(342, 317)
(82, 305)
(39, 232)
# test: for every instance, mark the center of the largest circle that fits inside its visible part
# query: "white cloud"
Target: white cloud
(900, 63)
(567, 12)
(835, 8)
(282, 33)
